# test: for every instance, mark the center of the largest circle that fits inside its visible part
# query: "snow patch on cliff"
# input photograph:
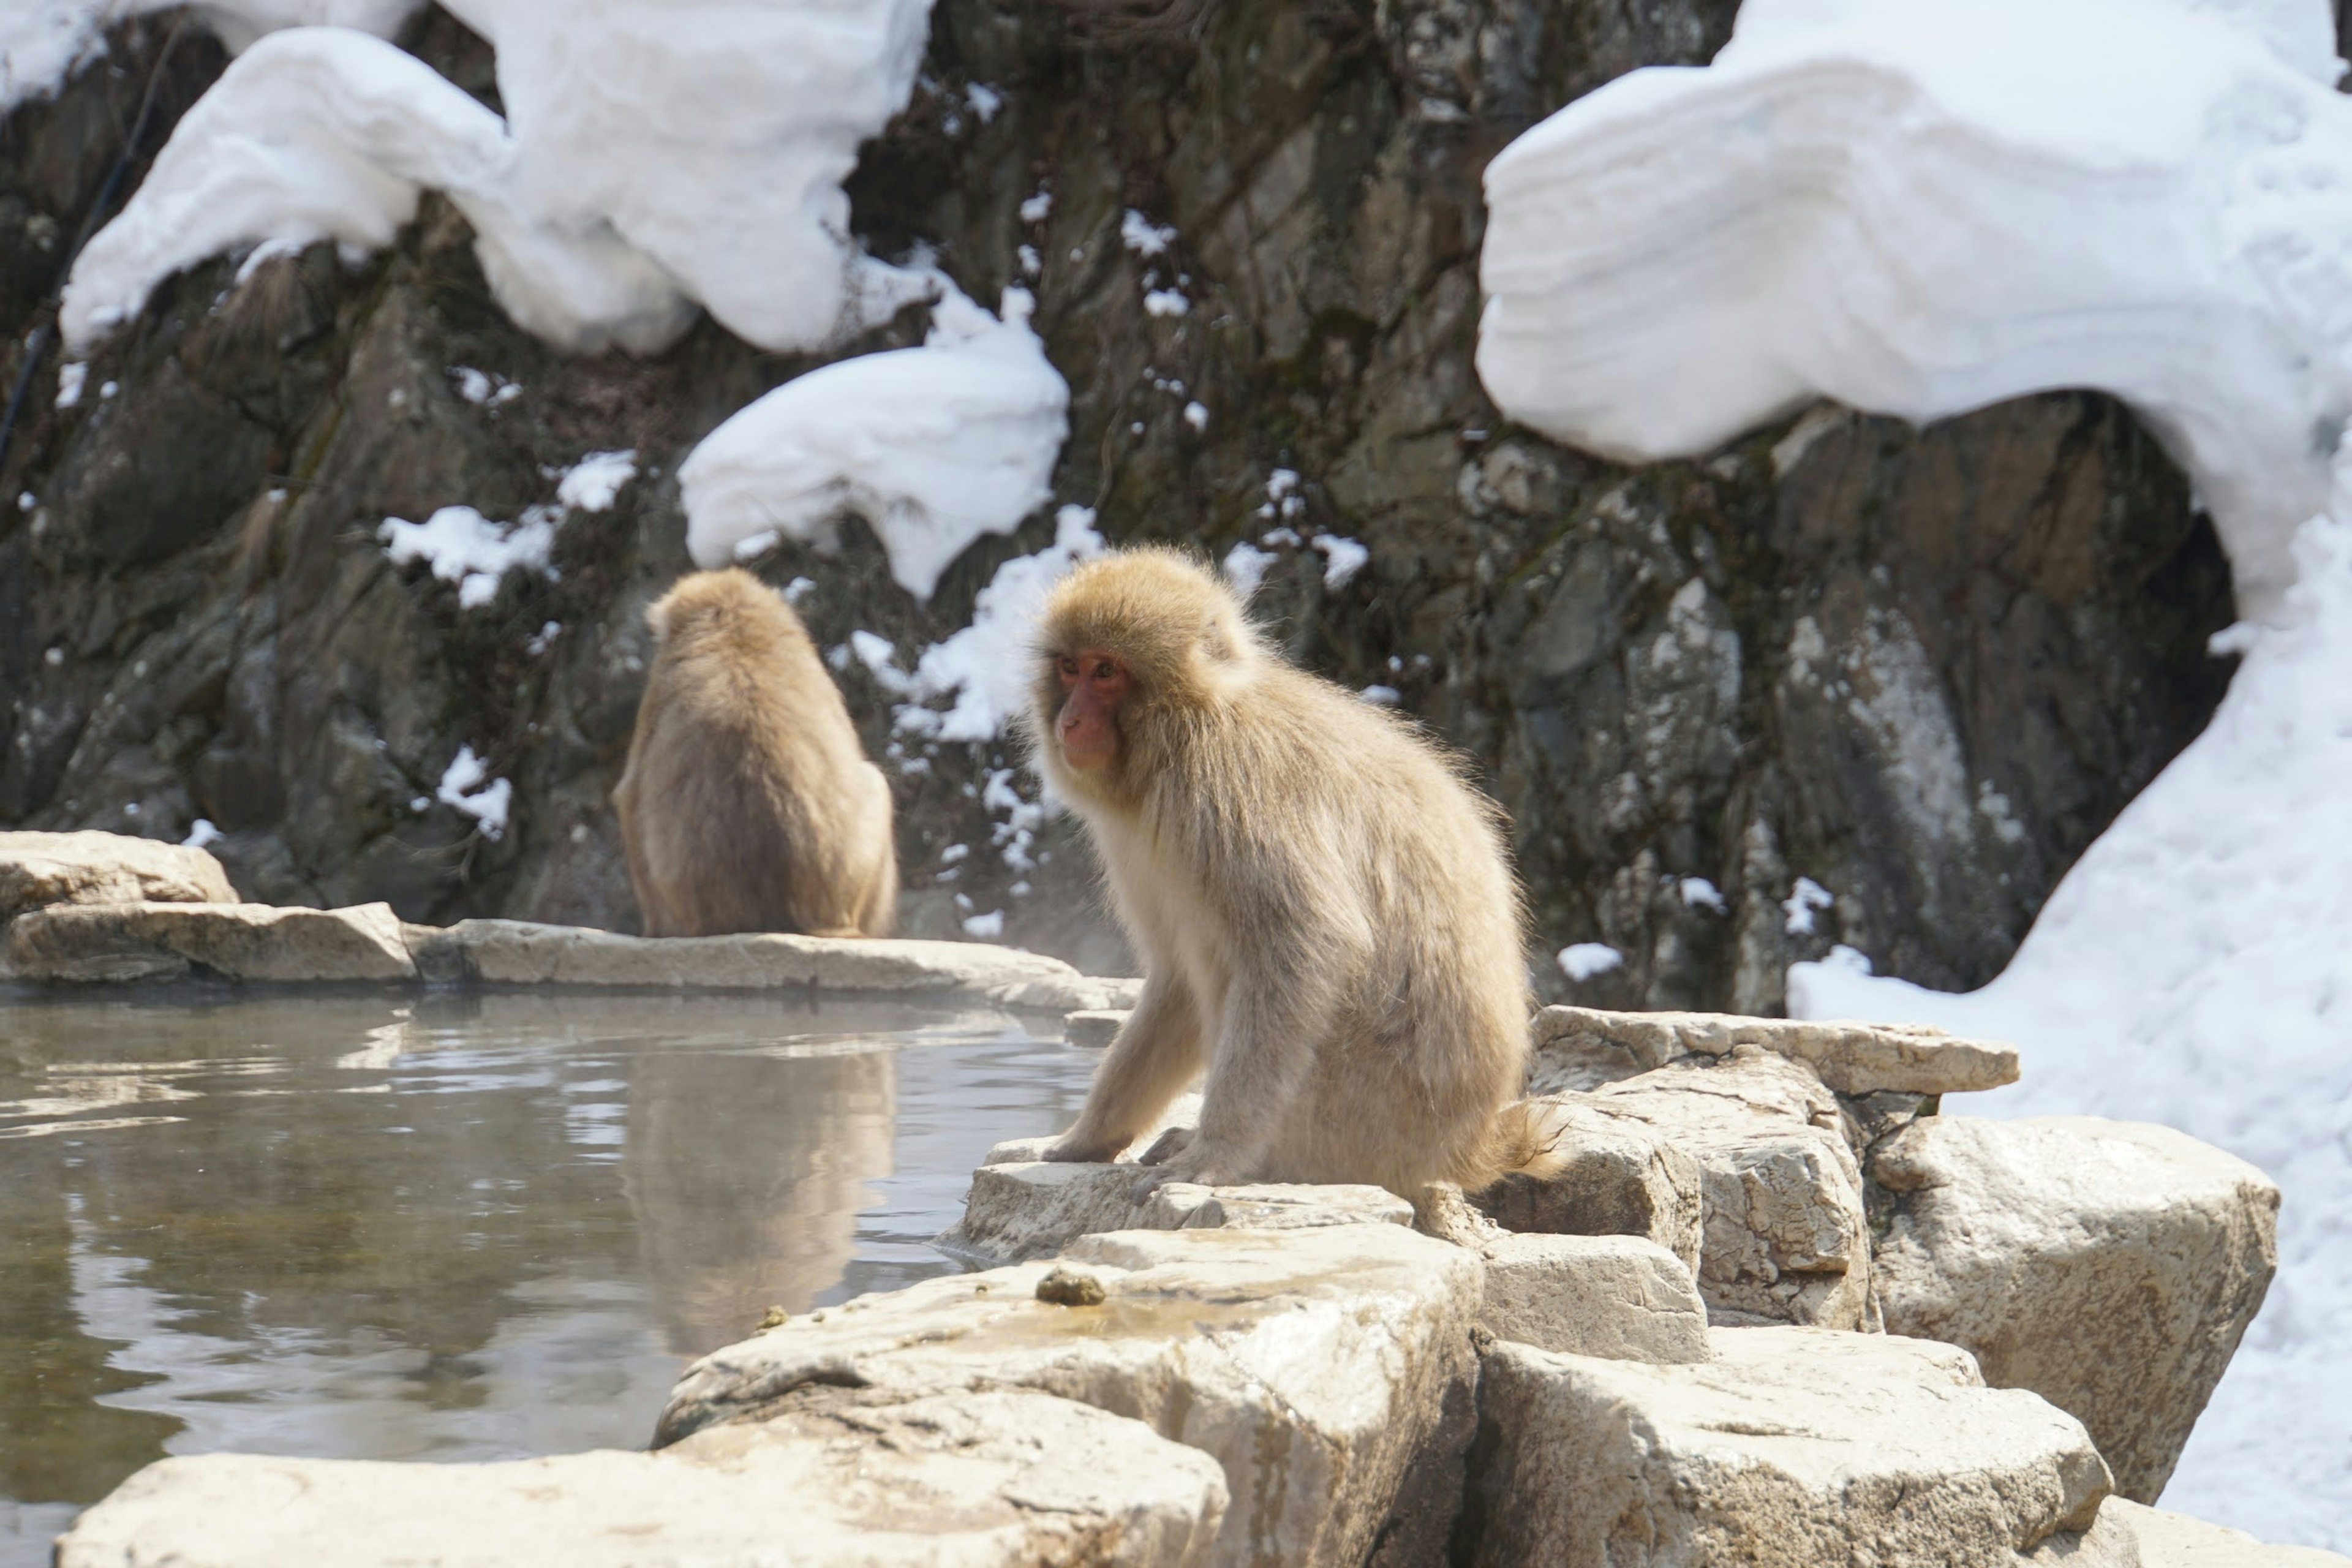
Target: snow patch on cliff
(934, 446)
(652, 156)
(43, 43)
(1922, 208)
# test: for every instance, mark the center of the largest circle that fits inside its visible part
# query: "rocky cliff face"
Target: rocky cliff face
(1923, 669)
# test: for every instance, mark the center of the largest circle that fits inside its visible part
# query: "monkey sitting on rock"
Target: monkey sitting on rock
(1321, 900)
(748, 803)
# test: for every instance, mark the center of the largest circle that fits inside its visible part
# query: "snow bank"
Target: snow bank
(462, 786)
(2195, 968)
(655, 153)
(466, 548)
(934, 446)
(45, 42)
(1922, 208)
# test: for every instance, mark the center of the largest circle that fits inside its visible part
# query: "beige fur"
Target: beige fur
(748, 803)
(1322, 902)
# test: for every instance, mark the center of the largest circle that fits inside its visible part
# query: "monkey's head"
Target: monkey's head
(1124, 644)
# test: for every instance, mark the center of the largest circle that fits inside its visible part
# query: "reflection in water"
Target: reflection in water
(459, 1228)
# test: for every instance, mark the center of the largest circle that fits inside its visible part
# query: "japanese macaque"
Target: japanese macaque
(1326, 921)
(748, 803)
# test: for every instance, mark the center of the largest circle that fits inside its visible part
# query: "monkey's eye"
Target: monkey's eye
(1105, 669)
(1070, 667)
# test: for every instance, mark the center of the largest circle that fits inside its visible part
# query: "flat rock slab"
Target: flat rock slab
(1094, 1027)
(1319, 1367)
(1850, 1058)
(2109, 1267)
(92, 867)
(1792, 1448)
(1618, 1175)
(2176, 1540)
(523, 953)
(971, 1480)
(1617, 1295)
(105, 943)
(1017, 1212)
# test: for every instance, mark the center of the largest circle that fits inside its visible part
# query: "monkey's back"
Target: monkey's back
(748, 803)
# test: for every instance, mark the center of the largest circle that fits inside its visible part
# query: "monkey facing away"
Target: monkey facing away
(1322, 902)
(748, 803)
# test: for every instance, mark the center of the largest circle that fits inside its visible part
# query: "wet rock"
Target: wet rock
(2164, 1539)
(1853, 1058)
(2109, 1267)
(1319, 1367)
(1615, 1296)
(95, 867)
(1005, 1479)
(1618, 1176)
(84, 942)
(523, 952)
(1018, 1211)
(1792, 1448)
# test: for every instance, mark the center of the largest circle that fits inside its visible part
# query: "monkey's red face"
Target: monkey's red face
(1094, 684)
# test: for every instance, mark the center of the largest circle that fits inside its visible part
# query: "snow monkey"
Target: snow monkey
(1321, 901)
(748, 803)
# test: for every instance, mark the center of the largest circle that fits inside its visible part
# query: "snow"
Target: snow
(982, 671)
(1903, 208)
(1196, 415)
(1038, 208)
(1381, 696)
(466, 548)
(1804, 900)
(462, 786)
(654, 154)
(203, 833)
(1246, 565)
(1581, 961)
(1921, 208)
(594, 482)
(72, 376)
(1143, 237)
(1342, 558)
(984, 928)
(1165, 303)
(984, 100)
(1698, 893)
(934, 446)
(43, 43)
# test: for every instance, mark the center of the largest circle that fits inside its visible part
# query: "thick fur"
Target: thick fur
(748, 803)
(1326, 918)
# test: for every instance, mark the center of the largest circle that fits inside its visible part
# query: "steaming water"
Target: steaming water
(471, 1228)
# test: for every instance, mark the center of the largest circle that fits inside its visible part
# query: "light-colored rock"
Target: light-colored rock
(1617, 1176)
(2176, 1540)
(1792, 1448)
(1617, 1295)
(241, 942)
(1850, 1058)
(968, 1480)
(1785, 1235)
(1017, 1212)
(2109, 1267)
(1319, 1367)
(1094, 1027)
(523, 953)
(94, 868)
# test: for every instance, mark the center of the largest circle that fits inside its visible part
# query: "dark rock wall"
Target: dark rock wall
(1922, 668)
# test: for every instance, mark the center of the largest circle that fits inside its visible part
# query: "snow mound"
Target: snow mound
(1922, 208)
(934, 446)
(2194, 968)
(319, 133)
(655, 155)
(464, 547)
(44, 42)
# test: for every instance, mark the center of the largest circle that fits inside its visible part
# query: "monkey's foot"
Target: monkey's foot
(1203, 1167)
(1072, 1150)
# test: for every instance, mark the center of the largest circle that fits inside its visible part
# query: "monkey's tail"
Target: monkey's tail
(1523, 1139)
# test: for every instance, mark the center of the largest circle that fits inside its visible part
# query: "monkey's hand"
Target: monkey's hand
(1089, 1150)
(1202, 1166)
